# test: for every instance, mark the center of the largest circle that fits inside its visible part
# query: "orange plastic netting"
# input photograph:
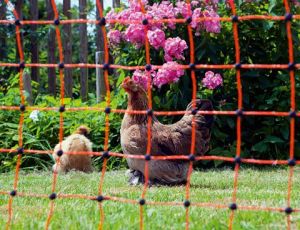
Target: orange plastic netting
(239, 113)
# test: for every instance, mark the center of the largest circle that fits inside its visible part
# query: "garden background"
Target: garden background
(261, 42)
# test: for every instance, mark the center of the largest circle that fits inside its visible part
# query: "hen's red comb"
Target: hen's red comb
(127, 79)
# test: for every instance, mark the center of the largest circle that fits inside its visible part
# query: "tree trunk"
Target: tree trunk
(116, 3)
(34, 47)
(67, 46)
(27, 87)
(99, 37)
(18, 7)
(101, 87)
(83, 51)
(3, 34)
(51, 52)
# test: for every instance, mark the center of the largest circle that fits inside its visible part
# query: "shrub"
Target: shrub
(41, 129)
(261, 42)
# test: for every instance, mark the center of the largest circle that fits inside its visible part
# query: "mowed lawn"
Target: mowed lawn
(265, 188)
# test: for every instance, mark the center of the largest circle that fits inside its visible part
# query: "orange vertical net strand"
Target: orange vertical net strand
(194, 96)
(61, 110)
(240, 107)
(289, 18)
(21, 120)
(106, 78)
(149, 118)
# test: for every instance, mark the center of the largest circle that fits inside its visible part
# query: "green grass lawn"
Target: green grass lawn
(256, 187)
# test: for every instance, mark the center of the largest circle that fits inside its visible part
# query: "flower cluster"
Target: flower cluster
(211, 80)
(174, 48)
(162, 10)
(296, 2)
(156, 38)
(182, 9)
(211, 26)
(114, 37)
(141, 78)
(169, 73)
(135, 33)
(158, 34)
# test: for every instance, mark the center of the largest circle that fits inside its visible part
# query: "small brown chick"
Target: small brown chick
(77, 142)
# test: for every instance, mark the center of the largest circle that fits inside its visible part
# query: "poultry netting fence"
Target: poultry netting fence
(239, 113)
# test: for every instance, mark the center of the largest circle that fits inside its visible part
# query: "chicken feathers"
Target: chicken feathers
(77, 142)
(166, 140)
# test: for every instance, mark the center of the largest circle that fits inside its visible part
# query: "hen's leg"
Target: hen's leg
(135, 177)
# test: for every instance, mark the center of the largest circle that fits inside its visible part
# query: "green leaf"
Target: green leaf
(230, 122)
(271, 5)
(216, 132)
(156, 100)
(67, 101)
(273, 140)
(285, 132)
(260, 147)
(30, 141)
(15, 138)
(220, 151)
(268, 25)
(121, 78)
(11, 125)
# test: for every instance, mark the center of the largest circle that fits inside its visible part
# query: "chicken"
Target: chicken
(166, 140)
(77, 142)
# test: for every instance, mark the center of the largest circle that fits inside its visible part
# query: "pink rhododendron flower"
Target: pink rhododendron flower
(162, 11)
(211, 80)
(141, 78)
(166, 10)
(139, 16)
(114, 37)
(197, 25)
(174, 48)
(136, 6)
(156, 38)
(212, 3)
(111, 15)
(169, 73)
(296, 2)
(182, 9)
(125, 14)
(195, 3)
(212, 26)
(135, 34)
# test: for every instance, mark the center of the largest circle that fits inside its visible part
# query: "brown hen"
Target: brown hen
(166, 140)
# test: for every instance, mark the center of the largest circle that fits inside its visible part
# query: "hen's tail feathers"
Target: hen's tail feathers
(83, 130)
(203, 105)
